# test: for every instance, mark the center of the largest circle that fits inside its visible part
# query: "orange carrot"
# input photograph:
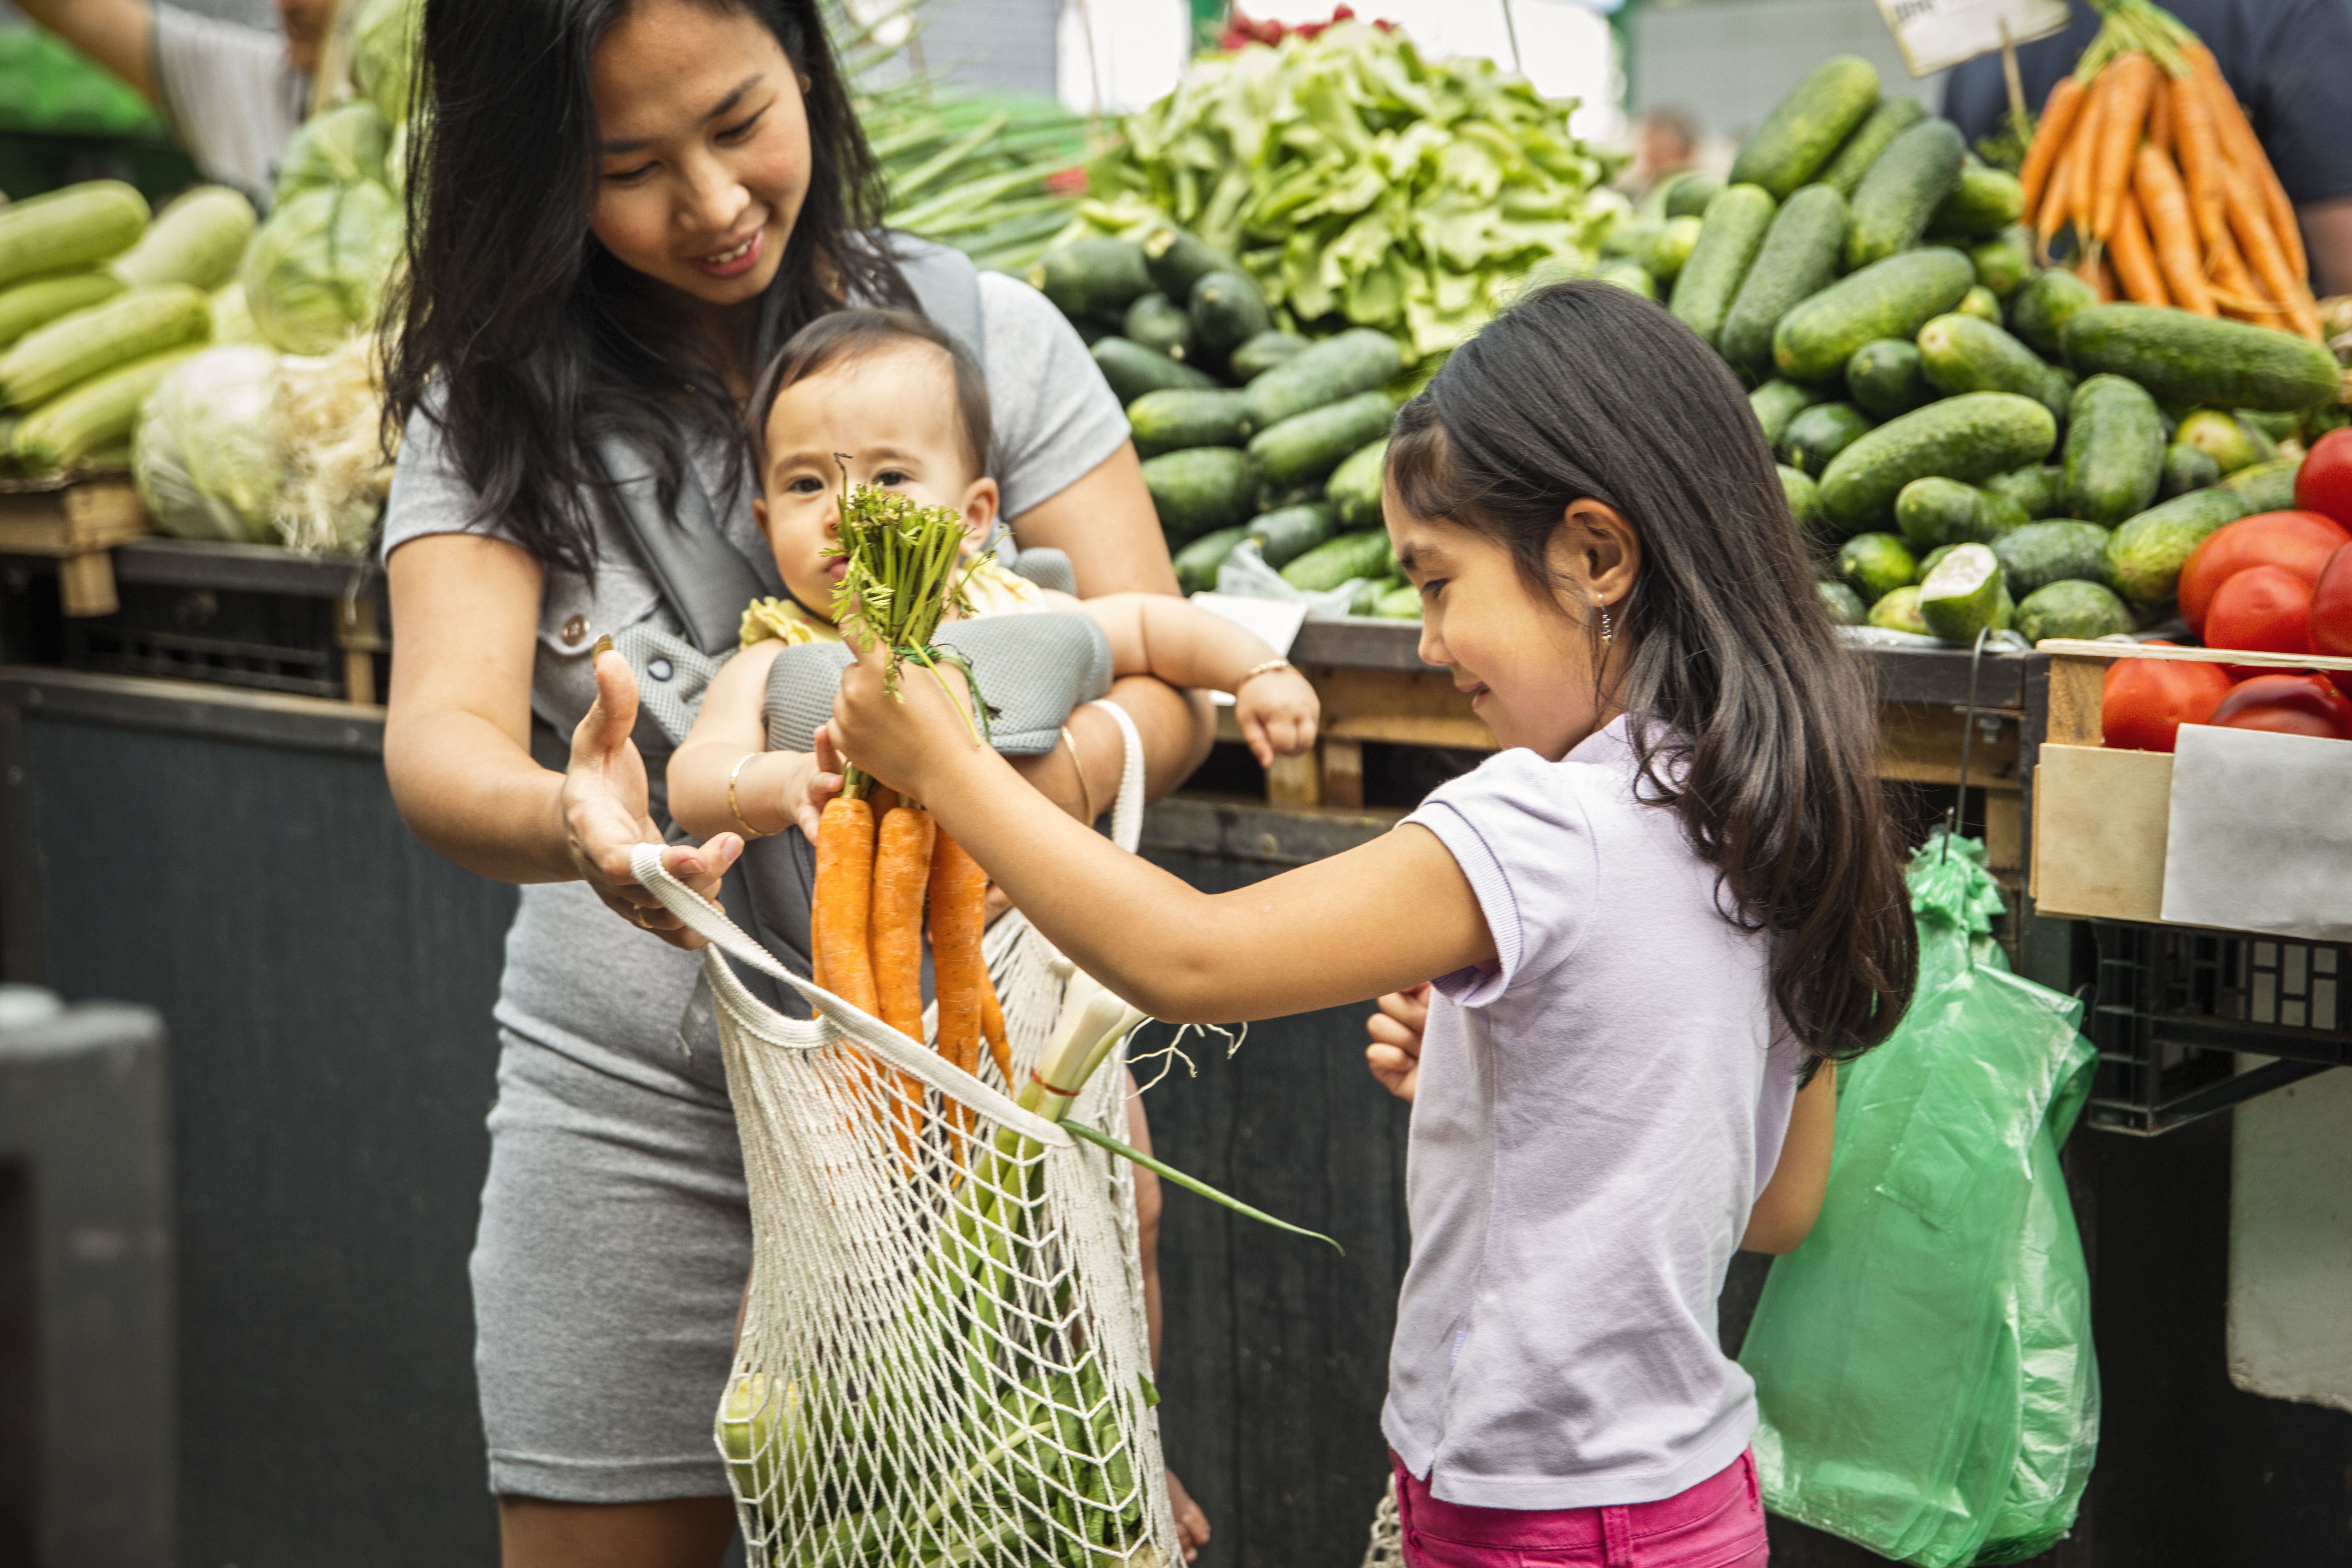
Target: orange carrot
(844, 894)
(2135, 77)
(2089, 135)
(2093, 269)
(2269, 259)
(2243, 149)
(2163, 202)
(2057, 204)
(2058, 112)
(959, 901)
(816, 953)
(2159, 115)
(2134, 258)
(992, 1025)
(894, 934)
(2202, 168)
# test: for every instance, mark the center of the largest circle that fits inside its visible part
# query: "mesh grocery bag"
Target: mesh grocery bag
(943, 1358)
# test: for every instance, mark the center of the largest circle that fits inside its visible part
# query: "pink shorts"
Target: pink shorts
(1718, 1524)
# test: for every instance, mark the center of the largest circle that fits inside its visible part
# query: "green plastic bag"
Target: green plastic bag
(1924, 1361)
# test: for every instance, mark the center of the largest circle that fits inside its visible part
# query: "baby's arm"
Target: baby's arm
(773, 789)
(1184, 645)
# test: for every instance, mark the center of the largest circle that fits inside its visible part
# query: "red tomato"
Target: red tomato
(2264, 609)
(2286, 705)
(2324, 483)
(2331, 612)
(2146, 700)
(2299, 541)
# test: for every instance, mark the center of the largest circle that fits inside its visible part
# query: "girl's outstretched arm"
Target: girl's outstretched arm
(1388, 915)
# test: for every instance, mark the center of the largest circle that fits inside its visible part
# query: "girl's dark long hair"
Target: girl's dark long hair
(541, 342)
(1752, 721)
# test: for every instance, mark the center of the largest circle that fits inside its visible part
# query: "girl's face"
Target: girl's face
(704, 153)
(1524, 656)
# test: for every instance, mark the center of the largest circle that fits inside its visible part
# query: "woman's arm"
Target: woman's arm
(1785, 1210)
(1324, 935)
(456, 738)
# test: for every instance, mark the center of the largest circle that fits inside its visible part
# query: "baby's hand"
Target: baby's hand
(806, 797)
(1276, 712)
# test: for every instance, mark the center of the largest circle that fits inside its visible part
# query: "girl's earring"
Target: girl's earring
(1608, 632)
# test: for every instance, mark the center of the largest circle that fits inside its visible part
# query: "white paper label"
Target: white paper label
(1937, 35)
(2258, 838)
(1275, 620)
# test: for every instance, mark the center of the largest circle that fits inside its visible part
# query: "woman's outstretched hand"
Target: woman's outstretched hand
(1394, 1055)
(605, 812)
(902, 739)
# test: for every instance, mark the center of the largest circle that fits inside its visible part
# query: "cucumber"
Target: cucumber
(1972, 437)
(1200, 490)
(1899, 612)
(1264, 352)
(2270, 425)
(1821, 433)
(1670, 252)
(1778, 402)
(2183, 358)
(1873, 136)
(1092, 277)
(1928, 562)
(1157, 323)
(1173, 420)
(1875, 564)
(1911, 179)
(1629, 274)
(2265, 486)
(1963, 353)
(2039, 311)
(1965, 595)
(1358, 360)
(1197, 563)
(1844, 605)
(1805, 129)
(1227, 312)
(2186, 468)
(1284, 536)
(1354, 487)
(1688, 196)
(1337, 561)
(2040, 490)
(2144, 557)
(1797, 258)
(1305, 447)
(1936, 511)
(1133, 369)
(1727, 244)
(1886, 380)
(2071, 608)
(1981, 303)
(1401, 603)
(1175, 260)
(1985, 202)
(2059, 549)
(2115, 450)
(1892, 298)
(2222, 437)
(1804, 500)
(2004, 262)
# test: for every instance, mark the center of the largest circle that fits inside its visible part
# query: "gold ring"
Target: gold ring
(637, 914)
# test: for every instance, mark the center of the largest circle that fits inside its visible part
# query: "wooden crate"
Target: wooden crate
(77, 520)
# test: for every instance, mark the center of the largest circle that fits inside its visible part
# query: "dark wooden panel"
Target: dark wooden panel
(327, 983)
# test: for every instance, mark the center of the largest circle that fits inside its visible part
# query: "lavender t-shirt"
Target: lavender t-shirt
(1594, 1117)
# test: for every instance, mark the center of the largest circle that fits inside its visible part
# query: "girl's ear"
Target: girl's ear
(759, 514)
(980, 511)
(1603, 549)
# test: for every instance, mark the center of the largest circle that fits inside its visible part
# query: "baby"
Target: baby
(891, 399)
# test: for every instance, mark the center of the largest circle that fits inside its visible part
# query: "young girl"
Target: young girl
(1672, 886)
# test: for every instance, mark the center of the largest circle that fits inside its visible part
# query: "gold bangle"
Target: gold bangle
(748, 831)
(1268, 668)
(1086, 791)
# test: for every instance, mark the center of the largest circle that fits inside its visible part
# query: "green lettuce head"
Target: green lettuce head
(342, 147)
(202, 455)
(384, 43)
(316, 269)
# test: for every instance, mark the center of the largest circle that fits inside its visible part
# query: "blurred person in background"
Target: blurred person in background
(1665, 142)
(233, 94)
(2290, 62)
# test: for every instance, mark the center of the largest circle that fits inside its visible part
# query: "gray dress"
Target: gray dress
(615, 1234)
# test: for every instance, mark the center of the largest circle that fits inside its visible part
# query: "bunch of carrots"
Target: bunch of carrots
(2145, 154)
(873, 883)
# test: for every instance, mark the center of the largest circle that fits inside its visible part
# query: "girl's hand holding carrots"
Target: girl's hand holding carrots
(904, 739)
(1394, 1055)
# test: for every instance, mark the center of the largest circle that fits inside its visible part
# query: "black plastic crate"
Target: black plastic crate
(2176, 1006)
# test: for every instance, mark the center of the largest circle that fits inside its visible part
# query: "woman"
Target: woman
(628, 203)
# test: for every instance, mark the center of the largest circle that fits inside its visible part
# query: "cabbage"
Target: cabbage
(385, 44)
(342, 147)
(317, 268)
(203, 455)
(232, 322)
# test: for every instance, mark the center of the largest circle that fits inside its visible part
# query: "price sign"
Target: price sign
(1936, 34)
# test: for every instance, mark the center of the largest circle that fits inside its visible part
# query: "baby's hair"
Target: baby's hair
(847, 336)
(1750, 721)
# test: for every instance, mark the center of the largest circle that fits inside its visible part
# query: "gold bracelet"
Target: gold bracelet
(748, 831)
(1086, 791)
(1268, 668)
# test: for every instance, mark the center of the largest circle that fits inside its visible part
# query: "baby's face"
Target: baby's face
(891, 416)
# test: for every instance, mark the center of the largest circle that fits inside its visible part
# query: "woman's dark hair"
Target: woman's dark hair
(1752, 721)
(537, 343)
(847, 336)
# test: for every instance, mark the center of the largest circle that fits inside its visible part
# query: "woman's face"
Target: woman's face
(704, 148)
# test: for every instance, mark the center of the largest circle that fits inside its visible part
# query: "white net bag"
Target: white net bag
(943, 1358)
